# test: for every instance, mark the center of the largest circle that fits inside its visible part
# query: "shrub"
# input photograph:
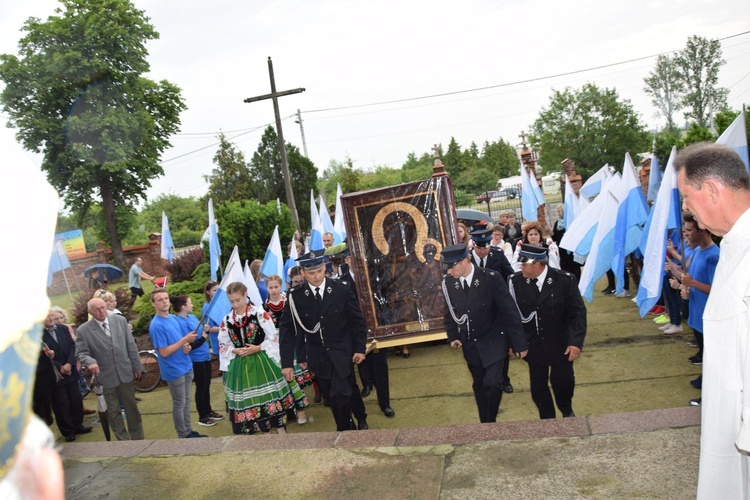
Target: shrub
(81, 311)
(183, 266)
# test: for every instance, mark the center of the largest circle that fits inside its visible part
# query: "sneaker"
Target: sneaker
(657, 310)
(194, 434)
(216, 416)
(673, 329)
(623, 294)
(695, 402)
(661, 320)
(692, 343)
(664, 327)
(608, 290)
(696, 360)
(207, 422)
(634, 300)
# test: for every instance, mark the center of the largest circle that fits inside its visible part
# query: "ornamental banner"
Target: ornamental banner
(395, 236)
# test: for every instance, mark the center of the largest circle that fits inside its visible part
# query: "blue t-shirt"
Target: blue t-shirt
(701, 268)
(165, 332)
(190, 324)
(213, 337)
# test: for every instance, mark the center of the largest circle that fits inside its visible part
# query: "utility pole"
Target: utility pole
(282, 147)
(302, 130)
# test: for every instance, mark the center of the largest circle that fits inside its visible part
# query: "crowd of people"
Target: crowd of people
(315, 333)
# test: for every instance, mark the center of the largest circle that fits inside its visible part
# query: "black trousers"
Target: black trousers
(374, 372)
(42, 402)
(345, 399)
(202, 379)
(506, 367)
(563, 381)
(68, 407)
(487, 391)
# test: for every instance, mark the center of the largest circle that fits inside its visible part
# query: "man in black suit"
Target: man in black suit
(554, 318)
(483, 255)
(480, 317)
(373, 371)
(66, 396)
(323, 321)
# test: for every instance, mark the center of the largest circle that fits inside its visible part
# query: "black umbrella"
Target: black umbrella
(469, 214)
(104, 272)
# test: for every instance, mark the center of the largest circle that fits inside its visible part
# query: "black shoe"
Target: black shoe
(406, 355)
(697, 383)
(507, 387)
(366, 390)
(70, 438)
(570, 414)
(608, 291)
(84, 430)
(695, 402)
(137, 399)
(389, 412)
(326, 402)
(318, 398)
(696, 360)
(362, 424)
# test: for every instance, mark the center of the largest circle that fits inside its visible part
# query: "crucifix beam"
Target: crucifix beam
(282, 147)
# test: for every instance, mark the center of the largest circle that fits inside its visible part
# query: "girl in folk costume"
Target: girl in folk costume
(274, 305)
(257, 394)
(533, 234)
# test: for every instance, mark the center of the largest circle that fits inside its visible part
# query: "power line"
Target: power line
(508, 84)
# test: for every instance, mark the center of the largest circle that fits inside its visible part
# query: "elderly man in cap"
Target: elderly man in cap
(323, 323)
(481, 319)
(554, 318)
(106, 347)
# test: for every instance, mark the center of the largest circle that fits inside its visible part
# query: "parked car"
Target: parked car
(486, 196)
(511, 192)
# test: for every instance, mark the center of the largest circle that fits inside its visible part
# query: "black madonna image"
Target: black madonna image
(395, 237)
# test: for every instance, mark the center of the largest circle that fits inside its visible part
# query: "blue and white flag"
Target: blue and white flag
(167, 245)
(594, 184)
(529, 200)
(273, 262)
(665, 215)
(219, 305)
(599, 258)
(654, 180)
(735, 137)
(57, 261)
(339, 230)
(252, 287)
(316, 233)
(292, 260)
(579, 237)
(325, 217)
(214, 250)
(631, 215)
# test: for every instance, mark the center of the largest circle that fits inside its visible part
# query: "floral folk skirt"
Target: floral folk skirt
(257, 394)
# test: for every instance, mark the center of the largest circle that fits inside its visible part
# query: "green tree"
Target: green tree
(265, 168)
(342, 173)
(500, 158)
(76, 93)
(453, 159)
(417, 169)
(230, 180)
(591, 125)
(382, 176)
(699, 63)
(663, 143)
(249, 225)
(188, 218)
(665, 87)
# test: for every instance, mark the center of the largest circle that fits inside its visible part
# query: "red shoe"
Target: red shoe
(657, 310)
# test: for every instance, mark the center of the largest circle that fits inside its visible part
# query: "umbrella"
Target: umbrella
(469, 214)
(106, 272)
(101, 405)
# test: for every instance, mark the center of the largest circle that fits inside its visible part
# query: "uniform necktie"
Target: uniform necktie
(535, 287)
(317, 295)
(465, 285)
(481, 262)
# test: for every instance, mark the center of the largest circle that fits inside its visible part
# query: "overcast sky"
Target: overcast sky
(351, 53)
